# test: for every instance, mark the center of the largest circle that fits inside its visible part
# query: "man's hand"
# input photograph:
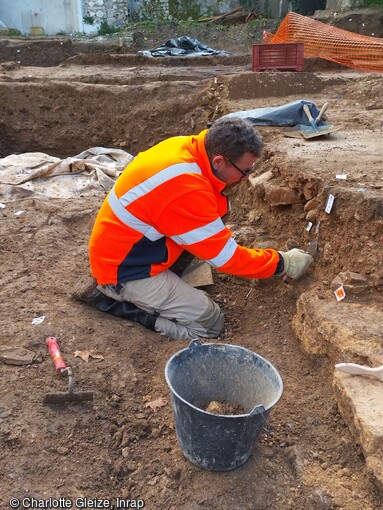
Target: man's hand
(296, 262)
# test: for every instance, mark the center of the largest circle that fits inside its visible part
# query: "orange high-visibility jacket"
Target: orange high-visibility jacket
(168, 200)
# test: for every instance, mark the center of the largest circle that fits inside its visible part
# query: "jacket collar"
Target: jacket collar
(197, 146)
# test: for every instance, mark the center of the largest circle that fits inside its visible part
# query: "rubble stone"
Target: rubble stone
(354, 283)
(16, 355)
(261, 179)
(312, 215)
(280, 195)
(312, 204)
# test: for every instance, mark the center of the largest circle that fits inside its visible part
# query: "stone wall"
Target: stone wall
(343, 5)
(115, 12)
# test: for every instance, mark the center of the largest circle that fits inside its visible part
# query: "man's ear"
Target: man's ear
(217, 159)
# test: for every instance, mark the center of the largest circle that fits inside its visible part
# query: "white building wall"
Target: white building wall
(53, 16)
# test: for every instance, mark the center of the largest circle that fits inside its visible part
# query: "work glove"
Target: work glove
(296, 262)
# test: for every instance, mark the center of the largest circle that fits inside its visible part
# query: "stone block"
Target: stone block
(361, 404)
(325, 325)
(353, 283)
(256, 180)
(280, 195)
(360, 397)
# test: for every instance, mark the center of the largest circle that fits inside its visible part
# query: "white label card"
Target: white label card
(330, 203)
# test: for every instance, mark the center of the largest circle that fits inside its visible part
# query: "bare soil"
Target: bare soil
(119, 446)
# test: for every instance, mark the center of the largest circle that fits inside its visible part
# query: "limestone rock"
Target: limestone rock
(256, 180)
(326, 325)
(375, 469)
(314, 203)
(361, 397)
(16, 355)
(280, 195)
(312, 215)
(361, 405)
(310, 189)
(353, 283)
(376, 279)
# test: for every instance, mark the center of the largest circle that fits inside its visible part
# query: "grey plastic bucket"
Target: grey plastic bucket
(224, 373)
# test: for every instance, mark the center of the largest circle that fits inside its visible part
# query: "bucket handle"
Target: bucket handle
(260, 409)
(196, 342)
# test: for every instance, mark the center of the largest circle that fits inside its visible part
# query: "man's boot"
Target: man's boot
(87, 292)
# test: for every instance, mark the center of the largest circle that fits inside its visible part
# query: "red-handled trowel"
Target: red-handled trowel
(61, 367)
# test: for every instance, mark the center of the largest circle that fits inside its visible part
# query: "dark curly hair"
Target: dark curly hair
(232, 137)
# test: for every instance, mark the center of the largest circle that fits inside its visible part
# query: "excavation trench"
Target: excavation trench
(122, 448)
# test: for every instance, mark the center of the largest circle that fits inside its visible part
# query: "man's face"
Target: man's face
(233, 172)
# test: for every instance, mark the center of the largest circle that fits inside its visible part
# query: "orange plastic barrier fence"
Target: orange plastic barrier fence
(324, 41)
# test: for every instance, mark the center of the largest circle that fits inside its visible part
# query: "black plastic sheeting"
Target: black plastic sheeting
(286, 115)
(182, 47)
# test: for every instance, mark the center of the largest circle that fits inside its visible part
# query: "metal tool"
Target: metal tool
(301, 130)
(315, 130)
(307, 111)
(63, 369)
(312, 249)
(353, 368)
(321, 113)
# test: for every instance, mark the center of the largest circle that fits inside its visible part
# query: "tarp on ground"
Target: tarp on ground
(182, 47)
(286, 115)
(93, 172)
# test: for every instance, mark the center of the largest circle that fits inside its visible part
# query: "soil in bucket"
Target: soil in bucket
(227, 378)
(217, 407)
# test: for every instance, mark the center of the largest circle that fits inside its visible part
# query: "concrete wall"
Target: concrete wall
(53, 16)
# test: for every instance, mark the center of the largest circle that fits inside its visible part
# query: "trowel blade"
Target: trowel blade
(312, 248)
(64, 397)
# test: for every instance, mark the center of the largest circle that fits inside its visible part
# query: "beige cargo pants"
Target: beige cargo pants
(184, 312)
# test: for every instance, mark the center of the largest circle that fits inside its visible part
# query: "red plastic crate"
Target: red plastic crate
(283, 57)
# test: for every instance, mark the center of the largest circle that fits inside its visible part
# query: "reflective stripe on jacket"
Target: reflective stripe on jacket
(167, 200)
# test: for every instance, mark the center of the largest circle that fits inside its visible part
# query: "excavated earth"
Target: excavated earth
(323, 448)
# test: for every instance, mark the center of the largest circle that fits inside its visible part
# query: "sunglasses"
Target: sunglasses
(245, 173)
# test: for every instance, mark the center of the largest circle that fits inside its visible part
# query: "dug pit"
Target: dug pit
(310, 457)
